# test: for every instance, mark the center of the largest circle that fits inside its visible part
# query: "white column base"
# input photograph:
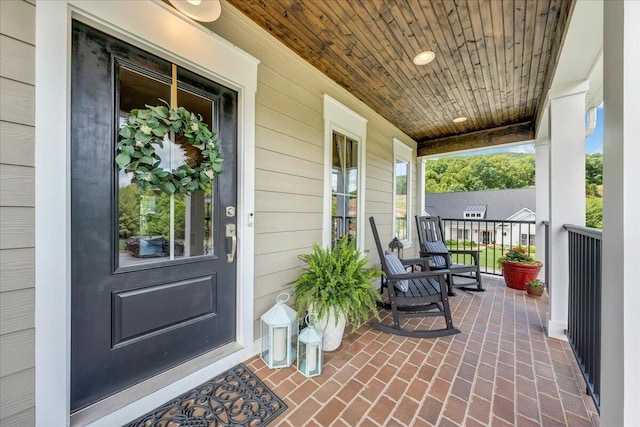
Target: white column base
(556, 329)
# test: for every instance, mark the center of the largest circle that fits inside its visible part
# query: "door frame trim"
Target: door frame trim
(153, 26)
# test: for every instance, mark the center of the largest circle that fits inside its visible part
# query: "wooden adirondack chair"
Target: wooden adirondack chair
(417, 293)
(433, 248)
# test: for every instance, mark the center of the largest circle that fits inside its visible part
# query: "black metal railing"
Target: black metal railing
(341, 225)
(585, 292)
(401, 227)
(492, 237)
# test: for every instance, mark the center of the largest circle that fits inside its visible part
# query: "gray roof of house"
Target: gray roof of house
(476, 208)
(501, 204)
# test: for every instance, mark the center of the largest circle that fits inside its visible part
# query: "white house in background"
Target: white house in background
(500, 212)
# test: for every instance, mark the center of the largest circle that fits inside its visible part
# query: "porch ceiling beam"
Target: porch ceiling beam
(524, 131)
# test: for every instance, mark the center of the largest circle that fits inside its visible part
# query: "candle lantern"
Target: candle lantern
(310, 349)
(278, 333)
(396, 245)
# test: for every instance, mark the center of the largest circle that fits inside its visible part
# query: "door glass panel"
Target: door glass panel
(196, 225)
(154, 226)
(344, 187)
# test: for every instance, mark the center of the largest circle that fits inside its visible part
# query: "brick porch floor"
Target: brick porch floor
(500, 371)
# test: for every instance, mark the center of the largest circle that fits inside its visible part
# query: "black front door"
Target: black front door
(152, 282)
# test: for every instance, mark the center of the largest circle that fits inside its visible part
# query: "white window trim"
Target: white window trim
(403, 152)
(341, 119)
(145, 24)
(422, 163)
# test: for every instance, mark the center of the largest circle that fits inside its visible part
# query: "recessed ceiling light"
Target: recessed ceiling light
(460, 119)
(199, 10)
(424, 58)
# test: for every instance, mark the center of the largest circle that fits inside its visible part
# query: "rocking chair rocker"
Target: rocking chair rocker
(413, 294)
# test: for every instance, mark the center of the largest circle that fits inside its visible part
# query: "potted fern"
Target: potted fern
(335, 285)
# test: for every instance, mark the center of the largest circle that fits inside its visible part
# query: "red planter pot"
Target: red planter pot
(517, 275)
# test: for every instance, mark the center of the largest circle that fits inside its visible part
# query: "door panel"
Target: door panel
(138, 307)
(141, 313)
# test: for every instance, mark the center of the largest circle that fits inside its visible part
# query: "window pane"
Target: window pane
(196, 220)
(337, 181)
(154, 226)
(344, 187)
(352, 181)
(401, 199)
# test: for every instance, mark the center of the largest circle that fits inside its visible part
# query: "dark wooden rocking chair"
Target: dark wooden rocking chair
(433, 248)
(413, 294)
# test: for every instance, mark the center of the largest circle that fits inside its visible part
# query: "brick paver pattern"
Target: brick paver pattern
(502, 370)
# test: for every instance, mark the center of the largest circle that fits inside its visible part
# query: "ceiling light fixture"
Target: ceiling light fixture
(199, 10)
(460, 119)
(423, 58)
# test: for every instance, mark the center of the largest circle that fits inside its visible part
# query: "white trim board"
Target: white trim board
(403, 152)
(342, 119)
(158, 28)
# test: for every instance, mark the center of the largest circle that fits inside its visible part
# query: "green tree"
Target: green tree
(401, 185)
(507, 170)
(593, 189)
(593, 168)
(129, 220)
(474, 173)
(594, 212)
(157, 221)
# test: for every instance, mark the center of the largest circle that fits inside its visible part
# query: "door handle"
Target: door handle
(231, 232)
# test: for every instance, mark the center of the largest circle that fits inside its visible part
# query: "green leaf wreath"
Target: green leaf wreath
(146, 129)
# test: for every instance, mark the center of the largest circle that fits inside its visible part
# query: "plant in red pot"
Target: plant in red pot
(518, 268)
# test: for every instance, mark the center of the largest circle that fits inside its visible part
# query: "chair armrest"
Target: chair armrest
(465, 251)
(475, 254)
(424, 253)
(408, 262)
(419, 275)
(428, 255)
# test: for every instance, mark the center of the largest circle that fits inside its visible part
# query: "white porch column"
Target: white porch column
(542, 198)
(620, 395)
(566, 192)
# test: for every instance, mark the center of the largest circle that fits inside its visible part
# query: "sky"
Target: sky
(593, 143)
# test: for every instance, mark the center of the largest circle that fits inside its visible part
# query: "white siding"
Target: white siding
(289, 158)
(289, 180)
(17, 202)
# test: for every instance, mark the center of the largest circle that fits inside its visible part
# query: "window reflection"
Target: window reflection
(344, 187)
(401, 200)
(153, 226)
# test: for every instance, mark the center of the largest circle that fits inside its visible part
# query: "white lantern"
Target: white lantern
(310, 349)
(278, 333)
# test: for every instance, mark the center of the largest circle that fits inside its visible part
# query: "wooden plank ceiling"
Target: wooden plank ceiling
(494, 60)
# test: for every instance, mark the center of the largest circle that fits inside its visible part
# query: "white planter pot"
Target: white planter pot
(332, 333)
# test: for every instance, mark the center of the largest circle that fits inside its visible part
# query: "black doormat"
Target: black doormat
(234, 398)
